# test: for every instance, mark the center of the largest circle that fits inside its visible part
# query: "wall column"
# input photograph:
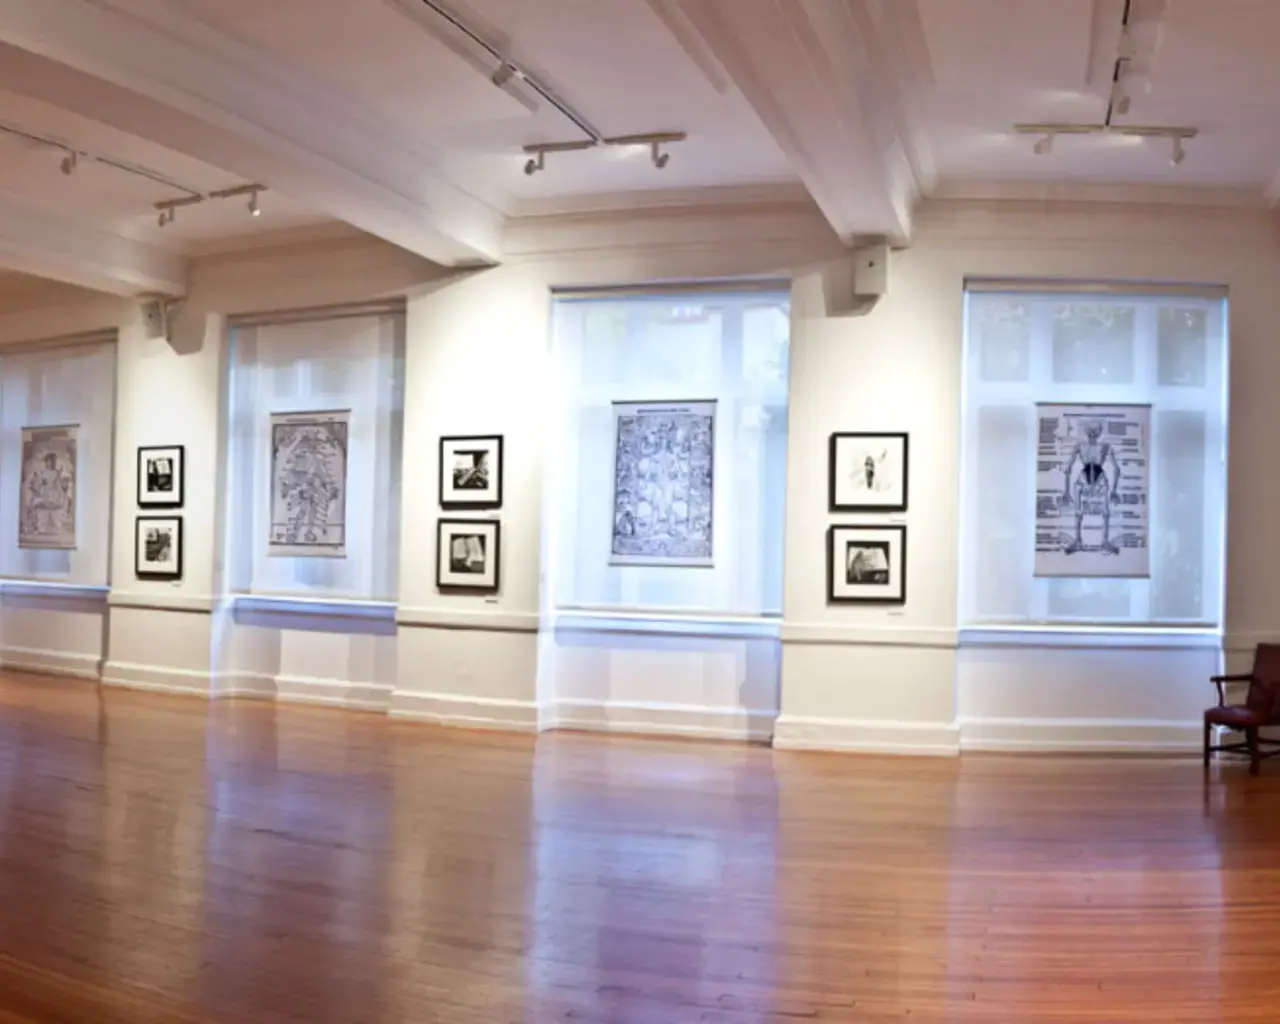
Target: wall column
(161, 635)
(476, 362)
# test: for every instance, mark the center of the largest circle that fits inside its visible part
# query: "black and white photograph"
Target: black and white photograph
(467, 555)
(1092, 509)
(867, 473)
(160, 476)
(158, 548)
(867, 564)
(471, 472)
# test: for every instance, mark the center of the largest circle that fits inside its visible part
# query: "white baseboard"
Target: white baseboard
(286, 689)
(866, 736)
(660, 719)
(131, 676)
(1081, 735)
(52, 663)
(465, 712)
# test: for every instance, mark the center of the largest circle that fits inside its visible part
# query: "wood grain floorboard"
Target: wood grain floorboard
(168, 860)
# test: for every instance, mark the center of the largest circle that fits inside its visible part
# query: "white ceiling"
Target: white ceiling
(380, 114)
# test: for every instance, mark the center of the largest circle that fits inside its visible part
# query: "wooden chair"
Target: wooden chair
(1261, 708)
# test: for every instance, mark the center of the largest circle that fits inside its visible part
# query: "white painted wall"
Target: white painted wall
(854, 677)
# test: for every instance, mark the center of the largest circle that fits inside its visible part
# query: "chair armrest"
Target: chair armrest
(1218, 681)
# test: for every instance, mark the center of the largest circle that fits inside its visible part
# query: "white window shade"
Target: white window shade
(1167, 350)
(679, 347)
(351, 363)
(63, 385)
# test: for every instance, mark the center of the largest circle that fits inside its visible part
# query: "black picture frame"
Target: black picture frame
(139, 569)
(447, 494)
(833, 531)
(833, 447)
(448, 581)
(179, 454)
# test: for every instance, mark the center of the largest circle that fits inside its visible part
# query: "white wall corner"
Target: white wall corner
(866, 736)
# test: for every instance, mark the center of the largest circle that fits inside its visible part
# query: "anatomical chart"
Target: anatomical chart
(1092, 512)
(309, 483)
(664, 483)
(49, 486)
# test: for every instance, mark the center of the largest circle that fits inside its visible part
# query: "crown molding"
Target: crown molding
(304, 234)
(772, 193)
(1233, 197)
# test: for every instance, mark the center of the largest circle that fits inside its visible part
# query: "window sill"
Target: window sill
(1141, 638)
(637, 623)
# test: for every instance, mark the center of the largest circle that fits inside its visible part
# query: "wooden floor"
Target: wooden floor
(162, 859)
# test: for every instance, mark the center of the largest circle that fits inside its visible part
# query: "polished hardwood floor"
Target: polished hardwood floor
(167, 860)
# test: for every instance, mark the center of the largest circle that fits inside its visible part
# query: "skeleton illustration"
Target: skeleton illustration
(1093, 490)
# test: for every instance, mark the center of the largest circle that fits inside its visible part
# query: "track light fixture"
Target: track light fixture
(69, 162)
(659, 158)
(1043, 145)
(536, 163)
(653, 140)
(1177, 135)
(168, 207)
(167, 213)
(1179, 151)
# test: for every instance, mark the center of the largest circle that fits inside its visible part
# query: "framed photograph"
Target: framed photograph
(157, 550)
(664, 483)
(867, 473)
(867, 564)
(48, 487)
(160, 476)
(468, 552)
(471, 472)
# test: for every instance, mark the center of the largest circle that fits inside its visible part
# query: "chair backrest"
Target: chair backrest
(1264, 690)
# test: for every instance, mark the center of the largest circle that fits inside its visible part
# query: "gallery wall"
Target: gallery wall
(864, 678)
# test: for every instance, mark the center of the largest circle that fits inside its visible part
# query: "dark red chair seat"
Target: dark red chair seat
(1235, 717)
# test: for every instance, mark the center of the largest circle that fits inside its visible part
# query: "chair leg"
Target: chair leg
(1251, 737)
(1208, 731)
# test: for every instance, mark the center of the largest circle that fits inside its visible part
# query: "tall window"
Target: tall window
(687, 347)
(1168, 351)
(65, 386)
(351, 365)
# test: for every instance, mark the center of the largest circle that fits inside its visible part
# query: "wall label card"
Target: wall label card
(663, 483)
(1092, 494)
(309, 484)
(867, 473)
(49, 488)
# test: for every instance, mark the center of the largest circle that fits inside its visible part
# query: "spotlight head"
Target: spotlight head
(1123, 103)
(1179, 151)
(659, 158)
(530, 166)
(503, 75)
(254, 209)
(1043, 145)
(69, 162)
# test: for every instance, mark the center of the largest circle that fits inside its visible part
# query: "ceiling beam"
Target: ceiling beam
(35, 242)
(810, 71)
(158, 73)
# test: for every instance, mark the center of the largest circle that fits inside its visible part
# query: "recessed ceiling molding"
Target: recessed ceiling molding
(183, 84)
(718, 196)
(35, 242)
(1013, 190)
